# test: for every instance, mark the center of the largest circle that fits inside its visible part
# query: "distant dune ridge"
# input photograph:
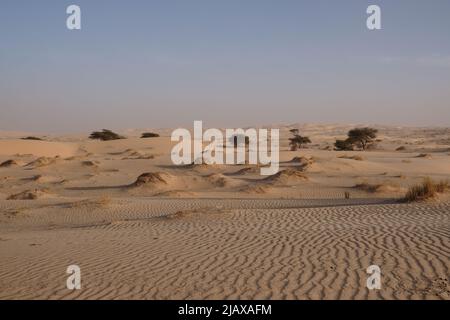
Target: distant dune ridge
(224, 231)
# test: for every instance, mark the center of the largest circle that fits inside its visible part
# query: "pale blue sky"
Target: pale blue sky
(165, 63)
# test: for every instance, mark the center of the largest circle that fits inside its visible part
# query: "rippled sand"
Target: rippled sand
(222, 232)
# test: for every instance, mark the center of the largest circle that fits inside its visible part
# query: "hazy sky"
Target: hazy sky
(138, 64)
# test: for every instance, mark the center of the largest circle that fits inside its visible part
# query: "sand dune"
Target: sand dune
(141, 228)
(37, 148)
(286, 177)
(42, 162)
(10, 163)
(29, 195)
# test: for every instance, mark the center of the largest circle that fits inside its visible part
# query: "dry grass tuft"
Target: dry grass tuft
(152, 179)
(428, 189)
(96, 203)
(385, 187)
(29, 195)
(355, 157)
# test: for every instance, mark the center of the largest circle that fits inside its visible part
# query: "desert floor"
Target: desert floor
(223, 232)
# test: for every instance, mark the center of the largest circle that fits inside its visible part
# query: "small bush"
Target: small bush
(442, 186)
(32, 138)
(105, 135)
(356, 157)
(428, 189)
(343, 145)
(149, 135)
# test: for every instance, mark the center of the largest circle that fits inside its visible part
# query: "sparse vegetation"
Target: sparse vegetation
(384, 187)
(424, 155)
(8, 163)
(355, 157)
(28, 195)
(428, 189)
(32, 138)
(105, 135)
(149, 135)
(343, 145)
(361, 138)
(297, 141)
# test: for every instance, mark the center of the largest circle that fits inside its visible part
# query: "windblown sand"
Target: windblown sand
(141, 228)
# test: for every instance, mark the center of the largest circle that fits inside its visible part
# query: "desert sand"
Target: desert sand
(141, 228)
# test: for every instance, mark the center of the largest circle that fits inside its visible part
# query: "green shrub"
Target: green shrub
(105, 135)
(149, 135)
(32, 138)
(343, 145)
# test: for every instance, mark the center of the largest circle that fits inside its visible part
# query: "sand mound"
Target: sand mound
(137, 155)
(256, 189)
(153, 179)
(29, 195)
(385, 187)
(74, 158)
(42, 162)
(177, 194)
(204, 167)
(286, 177)
(9, 163)
(354, 157)
(42, 179)
(91, 204)
(89, 164)
(248, 170)
(425, 156)
(127, 151)
(300, 160)
(219, 180)
(303, 163)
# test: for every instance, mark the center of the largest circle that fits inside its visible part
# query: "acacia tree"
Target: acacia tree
(297, 141)
(362, 138)
(105, 135)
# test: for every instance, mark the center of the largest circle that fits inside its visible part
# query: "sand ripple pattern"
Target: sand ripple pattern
(260, 250)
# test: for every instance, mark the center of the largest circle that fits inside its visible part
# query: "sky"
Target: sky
(230, 63)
